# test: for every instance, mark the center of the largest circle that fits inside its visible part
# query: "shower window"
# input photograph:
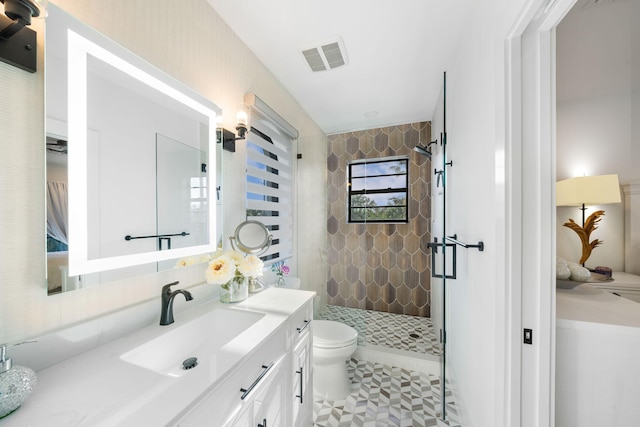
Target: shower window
(378, 190)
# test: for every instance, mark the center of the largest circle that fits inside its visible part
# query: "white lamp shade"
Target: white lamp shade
(588, 190)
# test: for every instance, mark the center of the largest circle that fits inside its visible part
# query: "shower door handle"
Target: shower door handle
(435, 245)
(454, 244)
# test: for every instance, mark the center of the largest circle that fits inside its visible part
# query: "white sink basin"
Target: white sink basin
(202, 337)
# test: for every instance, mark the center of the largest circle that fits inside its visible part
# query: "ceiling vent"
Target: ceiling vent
(325, 55)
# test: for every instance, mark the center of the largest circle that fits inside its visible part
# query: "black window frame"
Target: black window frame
(351, 192)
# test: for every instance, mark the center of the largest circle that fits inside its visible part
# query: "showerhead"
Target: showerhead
(422, 150)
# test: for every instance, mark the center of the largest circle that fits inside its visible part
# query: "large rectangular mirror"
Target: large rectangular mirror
(134, 153)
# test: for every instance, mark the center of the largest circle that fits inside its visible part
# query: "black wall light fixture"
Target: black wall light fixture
(17, 42)
(227, 138)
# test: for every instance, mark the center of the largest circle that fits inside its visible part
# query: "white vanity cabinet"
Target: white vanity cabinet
(272, 388)
(246, 379)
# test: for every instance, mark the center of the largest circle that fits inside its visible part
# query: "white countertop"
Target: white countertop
(589, 304)
(97, 388)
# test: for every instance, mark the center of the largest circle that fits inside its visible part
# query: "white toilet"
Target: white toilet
(333, 344)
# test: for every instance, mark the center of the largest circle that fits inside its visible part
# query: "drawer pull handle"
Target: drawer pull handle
(306, 323)
(301, 381)
(246, 391)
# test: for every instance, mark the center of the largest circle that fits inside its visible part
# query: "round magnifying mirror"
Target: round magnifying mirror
(251, 237)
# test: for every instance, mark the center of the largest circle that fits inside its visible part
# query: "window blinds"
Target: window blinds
(269, 191)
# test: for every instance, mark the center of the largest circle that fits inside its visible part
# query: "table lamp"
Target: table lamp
(583, 191)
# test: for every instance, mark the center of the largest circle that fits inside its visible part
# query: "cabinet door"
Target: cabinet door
(302, 395)
(271, 406)
(246, 416)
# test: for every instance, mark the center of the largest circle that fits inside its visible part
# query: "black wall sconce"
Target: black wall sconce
(17, 42)
(227, 138)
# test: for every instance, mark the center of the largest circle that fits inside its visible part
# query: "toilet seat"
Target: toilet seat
(331, 334)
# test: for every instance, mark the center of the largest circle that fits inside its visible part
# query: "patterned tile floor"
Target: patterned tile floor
(399, 331)
(383, 395)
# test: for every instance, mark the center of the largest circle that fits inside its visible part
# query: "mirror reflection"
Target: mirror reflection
(130, 172)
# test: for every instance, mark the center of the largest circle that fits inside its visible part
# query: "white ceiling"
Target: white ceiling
(397, 52)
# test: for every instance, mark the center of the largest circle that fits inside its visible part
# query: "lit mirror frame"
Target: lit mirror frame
(79, 49)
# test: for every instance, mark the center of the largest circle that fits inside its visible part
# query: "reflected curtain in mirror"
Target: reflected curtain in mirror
(57, 215)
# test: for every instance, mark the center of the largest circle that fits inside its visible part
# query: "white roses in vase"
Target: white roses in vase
(233, 267)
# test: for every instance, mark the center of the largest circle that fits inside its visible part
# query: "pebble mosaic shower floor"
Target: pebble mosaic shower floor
(383, 395)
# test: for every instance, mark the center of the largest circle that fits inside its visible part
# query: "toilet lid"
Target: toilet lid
(328, 333)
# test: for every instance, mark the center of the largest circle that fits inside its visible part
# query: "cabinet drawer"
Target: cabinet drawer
(266, 406)
(300, 322)
(223, 404)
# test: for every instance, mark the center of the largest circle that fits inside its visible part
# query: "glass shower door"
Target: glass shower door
(440, 251)
(444, 247)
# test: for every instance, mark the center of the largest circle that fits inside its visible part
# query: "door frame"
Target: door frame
(530, 212)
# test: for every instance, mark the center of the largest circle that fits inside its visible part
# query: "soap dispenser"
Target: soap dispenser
(16, 383)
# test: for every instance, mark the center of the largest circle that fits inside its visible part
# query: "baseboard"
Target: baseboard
(426, 363)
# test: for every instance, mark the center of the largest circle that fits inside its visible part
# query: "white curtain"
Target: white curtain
(57, 207)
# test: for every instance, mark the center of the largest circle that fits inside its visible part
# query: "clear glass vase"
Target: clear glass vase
(255, 285)
(280, 281)
(234, 291)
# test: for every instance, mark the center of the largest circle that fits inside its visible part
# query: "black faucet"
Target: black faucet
(166, 316)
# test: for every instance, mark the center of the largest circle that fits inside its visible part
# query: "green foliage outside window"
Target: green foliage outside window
(378, 191)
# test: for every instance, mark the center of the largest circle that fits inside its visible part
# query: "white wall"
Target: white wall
(476, 311)
(595, 137)
(598, 116)
(477, 300)
(186, 39)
